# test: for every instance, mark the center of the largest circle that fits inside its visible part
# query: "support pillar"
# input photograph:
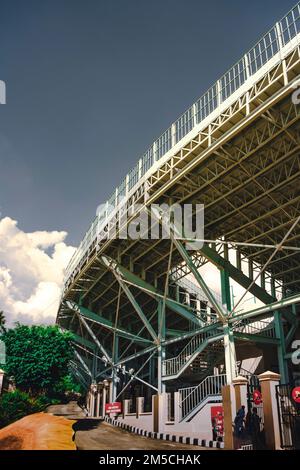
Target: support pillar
(225, 290)
(229, 408)
(268, 381)
(230, 355)
(161, 350)
(114, 382)
(240, 390)
(98, 411)
(281, 349)
(103, 401)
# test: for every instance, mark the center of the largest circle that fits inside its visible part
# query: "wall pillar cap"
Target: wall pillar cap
(2, 372)
(240, 380)
(269, 376)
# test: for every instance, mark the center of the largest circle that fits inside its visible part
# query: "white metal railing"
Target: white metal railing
(191, 398)
(257, 327)
(175, 364)
(274, 43)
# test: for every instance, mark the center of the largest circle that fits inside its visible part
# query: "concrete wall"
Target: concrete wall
(143, 421)
(199, 427)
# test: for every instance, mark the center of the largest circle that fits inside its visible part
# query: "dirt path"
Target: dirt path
(94, 434)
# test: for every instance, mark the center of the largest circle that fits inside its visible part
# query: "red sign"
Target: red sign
(115, 407)
(257, 398)
(296, 394)
(217, 422)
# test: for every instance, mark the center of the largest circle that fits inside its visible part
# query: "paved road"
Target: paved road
(93, 434)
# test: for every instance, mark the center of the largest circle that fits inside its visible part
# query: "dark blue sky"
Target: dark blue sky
(90, 85)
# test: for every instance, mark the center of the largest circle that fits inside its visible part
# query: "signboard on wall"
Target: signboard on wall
(217, 422)
(257, 397)
(114, 407)
(296, 394)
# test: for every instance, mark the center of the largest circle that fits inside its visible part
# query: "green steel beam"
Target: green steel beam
(281, 350)
(152, 291)
(83, 341)
(256, 338)
(137, 307)
(278, 305)
(225, 289)
(186, 257)
(107, 323)
(83, 363)
(237, 275)
(95, 339)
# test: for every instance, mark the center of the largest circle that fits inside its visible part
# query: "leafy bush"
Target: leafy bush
(16, 405)
(37, 356)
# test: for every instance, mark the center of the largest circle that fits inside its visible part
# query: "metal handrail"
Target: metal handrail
(258, 327)
(192, 397)
(173, 365)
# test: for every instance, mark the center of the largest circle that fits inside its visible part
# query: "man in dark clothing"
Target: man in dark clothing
(239, 422)
(254, 430)
(239, 427)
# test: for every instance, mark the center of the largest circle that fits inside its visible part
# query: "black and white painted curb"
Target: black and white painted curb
(167, 437)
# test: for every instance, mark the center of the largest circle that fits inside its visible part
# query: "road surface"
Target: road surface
(93, 434)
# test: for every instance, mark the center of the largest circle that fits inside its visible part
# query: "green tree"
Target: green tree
(2, 322)
(37, 356)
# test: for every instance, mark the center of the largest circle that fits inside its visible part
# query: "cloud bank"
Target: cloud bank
(31, 272)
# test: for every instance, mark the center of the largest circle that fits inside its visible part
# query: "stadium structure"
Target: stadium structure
(141, 311)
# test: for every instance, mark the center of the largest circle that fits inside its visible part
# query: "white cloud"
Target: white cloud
(31, 272)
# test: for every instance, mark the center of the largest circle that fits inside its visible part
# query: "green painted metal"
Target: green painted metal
(236, 274)
(278, 305)
(83, 341)
(281, 350)
(155, 293)
(138, 309)
(95, 317)
(255, 338)
(225, 289)
(186, 257)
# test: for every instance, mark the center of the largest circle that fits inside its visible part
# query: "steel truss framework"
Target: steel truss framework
(122, 302)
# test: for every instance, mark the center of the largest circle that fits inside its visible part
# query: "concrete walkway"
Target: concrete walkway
(94, 434)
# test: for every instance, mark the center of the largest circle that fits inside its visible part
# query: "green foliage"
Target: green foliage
(67, 385)
(16, 405)
(37, 356)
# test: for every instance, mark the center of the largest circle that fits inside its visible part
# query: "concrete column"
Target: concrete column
(139, 406)
(229, 407)
(98, 402)
(268, 381)
(161, 350)
(159, 411)
(177, 409)
(240, 390)
(92, 404)
(103, 401)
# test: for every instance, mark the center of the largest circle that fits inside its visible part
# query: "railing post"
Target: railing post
(268, 381)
